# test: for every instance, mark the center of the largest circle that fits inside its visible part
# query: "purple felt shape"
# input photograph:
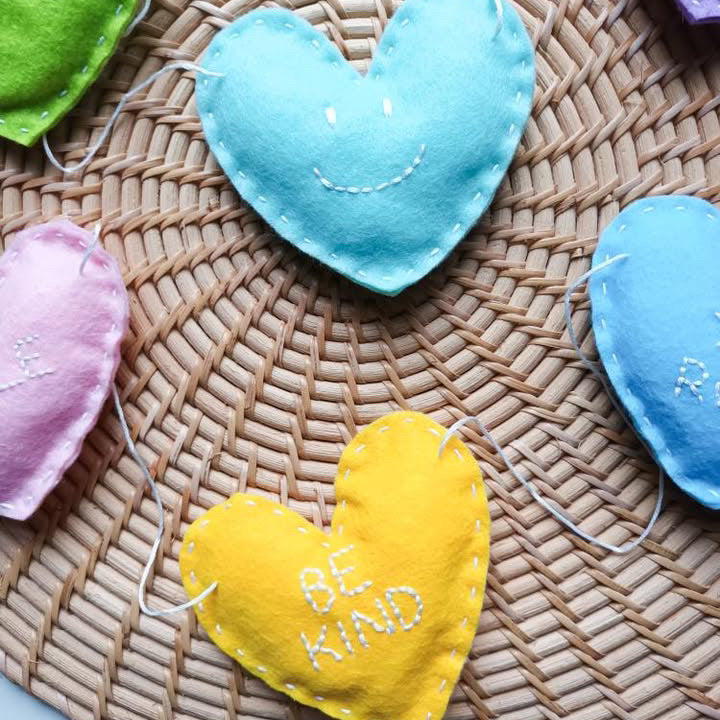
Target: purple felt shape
(700, 11)
(60, 334)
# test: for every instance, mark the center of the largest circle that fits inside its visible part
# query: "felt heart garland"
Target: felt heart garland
(50, 54)
(373, 620)
(378, 177)
(64, 314)
(656, 318)
(700, 11)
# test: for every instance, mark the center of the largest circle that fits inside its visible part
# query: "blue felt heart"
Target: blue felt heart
(378, 176)
(656, 317)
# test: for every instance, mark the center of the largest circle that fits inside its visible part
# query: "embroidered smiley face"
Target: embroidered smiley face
(374, 619)
(378, 176)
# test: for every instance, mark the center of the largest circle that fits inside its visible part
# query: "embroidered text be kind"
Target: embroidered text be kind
(321, 597)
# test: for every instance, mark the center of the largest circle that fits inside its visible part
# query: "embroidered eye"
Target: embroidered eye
(387, 107)
(331, 115)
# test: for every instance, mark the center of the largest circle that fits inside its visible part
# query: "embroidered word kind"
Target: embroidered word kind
(321, 597)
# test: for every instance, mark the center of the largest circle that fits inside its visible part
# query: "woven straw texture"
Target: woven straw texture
(248, 367)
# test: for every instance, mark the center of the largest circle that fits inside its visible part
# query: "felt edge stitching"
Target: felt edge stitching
(482, 530)
(111, 360)
(469, 215)
(608, 349)
(476, 592)
(53, 108)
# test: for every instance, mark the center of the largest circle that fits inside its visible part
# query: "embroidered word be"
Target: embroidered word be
(321, 597)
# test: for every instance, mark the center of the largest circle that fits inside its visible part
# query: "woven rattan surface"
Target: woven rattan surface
(248, 367)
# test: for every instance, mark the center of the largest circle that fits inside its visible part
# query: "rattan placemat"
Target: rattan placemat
(248, 366)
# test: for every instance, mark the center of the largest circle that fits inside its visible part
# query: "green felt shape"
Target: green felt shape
(51, 51)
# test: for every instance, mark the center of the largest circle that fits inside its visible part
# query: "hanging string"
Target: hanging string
(499, 10)
(138, 18)
(621, 549)
(151, 482)
(92, 150)
(573, 337)
(91, 247)
(160, 526)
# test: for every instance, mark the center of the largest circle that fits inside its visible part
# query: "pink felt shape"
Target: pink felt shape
(60, 334)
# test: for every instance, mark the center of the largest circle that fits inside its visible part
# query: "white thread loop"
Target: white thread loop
(91, 247)
(571, 330)
(499, 11)
(92, 150)
(160, 527)
(138, 18)
(621, 549)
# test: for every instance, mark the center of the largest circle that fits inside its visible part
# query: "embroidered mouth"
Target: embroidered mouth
(366, 189)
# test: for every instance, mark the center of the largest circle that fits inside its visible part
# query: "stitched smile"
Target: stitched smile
(354, 190)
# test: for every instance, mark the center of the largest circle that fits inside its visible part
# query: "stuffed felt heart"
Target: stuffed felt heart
(380, 176)
(375, 619)
(656, 317)
(50, 53)
(700, 11)
(60, 333)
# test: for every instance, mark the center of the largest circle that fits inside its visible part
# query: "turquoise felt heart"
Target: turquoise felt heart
(656, 317)
(379, 176)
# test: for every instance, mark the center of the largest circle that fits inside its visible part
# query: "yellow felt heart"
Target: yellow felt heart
(373, 620)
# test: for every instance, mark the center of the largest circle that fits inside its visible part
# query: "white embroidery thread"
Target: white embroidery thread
(355, 190)
(693, 385)
(358, 617)
(345, 638)
(390, 597)
(338, 573)
(24, 364)
(318, 586)
(319, 647)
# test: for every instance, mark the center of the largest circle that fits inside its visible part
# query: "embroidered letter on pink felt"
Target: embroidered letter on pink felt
(60, 334)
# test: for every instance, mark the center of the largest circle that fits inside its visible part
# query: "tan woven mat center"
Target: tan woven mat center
(250, 366)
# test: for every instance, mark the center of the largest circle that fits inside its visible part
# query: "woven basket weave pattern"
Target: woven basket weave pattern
(249, 366)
